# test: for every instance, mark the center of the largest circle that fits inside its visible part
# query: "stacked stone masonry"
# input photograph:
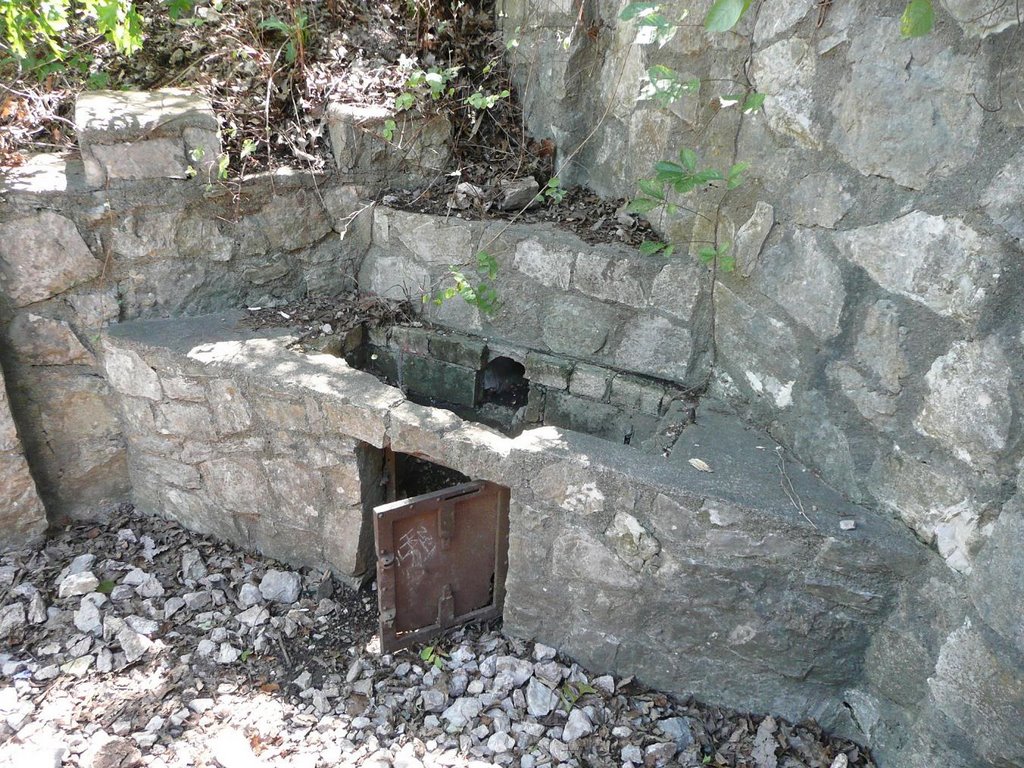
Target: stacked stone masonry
(873, 322)
(746, 600)
(872, 327)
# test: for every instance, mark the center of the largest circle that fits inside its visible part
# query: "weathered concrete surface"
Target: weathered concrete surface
(22, 516)
(752, 591)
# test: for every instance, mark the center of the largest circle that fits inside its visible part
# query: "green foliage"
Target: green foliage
(724, 14)
(294, 33)
(433, 655)
(917, 19)
(721, 255)
(105, 587)
(554, 191)
(176, 9)
(664, 86)
(388, 130)
(479, 293)
(573, 691)
(32, 30)
(481, 100)
(648, 16)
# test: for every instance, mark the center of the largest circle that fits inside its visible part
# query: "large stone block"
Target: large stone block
(367, 151)
(943, 263)
(997, 582)
(22, 516)
(40, 340)
(968, 403)
(924, 83)
(983, 691)
(131, 135)
(42, 256)
(801, 277)
(72, 437)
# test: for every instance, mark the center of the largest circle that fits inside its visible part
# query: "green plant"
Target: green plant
(554, 191)
(481, 100)
(431, 654)
(33, 30)
(480, 294)
(573, 691)
(294, 33)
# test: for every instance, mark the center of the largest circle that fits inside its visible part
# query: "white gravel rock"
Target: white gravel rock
(249, 595)
(133, 644)
(543, 652)
(500, 743)
(521, 670)
(578, 726)
(433, 700)
(192, 566)
(88, 618)
(281, 586)
(228, 654)
(253, 616)
(37, 609)
(78, 584)
(12, 618)
(540, 699)
(231, 749)
(461, 712)
(82, 563)
(632, 754)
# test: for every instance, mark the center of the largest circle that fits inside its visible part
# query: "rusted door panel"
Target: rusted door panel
(441, 561)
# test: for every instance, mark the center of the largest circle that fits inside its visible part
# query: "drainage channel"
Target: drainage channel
(512, 389)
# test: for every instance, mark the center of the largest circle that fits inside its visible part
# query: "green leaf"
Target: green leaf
(105, 587)
(651, 188)
(667, 166)
(917, 19)
(753, 102)
(688, 158)
(727, 263)
(642, 205)
(707, 254)
(668, 251)
(404, 101)
(244, 655)
(651, 247)
(736, 174)
(632, 10)
(724, 14)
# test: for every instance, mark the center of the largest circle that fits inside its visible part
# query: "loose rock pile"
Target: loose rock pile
(137, 643)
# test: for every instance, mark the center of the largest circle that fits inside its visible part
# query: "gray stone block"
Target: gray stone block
(417, 148)
(132, 135)
(548, 371)
(590, 381)
(461, 350)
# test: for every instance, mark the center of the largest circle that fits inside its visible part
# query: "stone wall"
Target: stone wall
(604, 304)
(127, 234)
(873, 322)
(717, 583)
(22, 517)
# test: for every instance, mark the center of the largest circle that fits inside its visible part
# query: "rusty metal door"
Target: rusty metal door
(441, 561)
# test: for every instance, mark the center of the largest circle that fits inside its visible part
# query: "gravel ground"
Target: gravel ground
(134, 642)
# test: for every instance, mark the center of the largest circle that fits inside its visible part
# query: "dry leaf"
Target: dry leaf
(700, 465)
